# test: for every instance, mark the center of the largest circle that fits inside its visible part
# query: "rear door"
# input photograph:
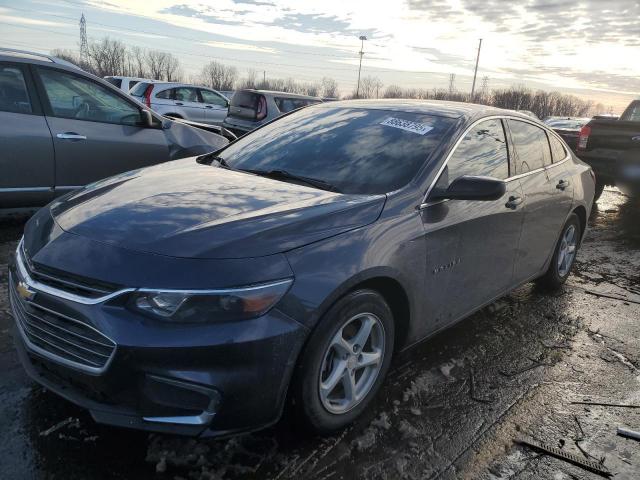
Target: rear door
(471, 245)
(96, 132)
(545, 206)
(215, 106)
(26, 148)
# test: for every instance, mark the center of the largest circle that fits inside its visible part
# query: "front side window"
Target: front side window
(357, 150)
(558, 152)
(531, 146)
(185, 94)
(71, 96)
(482, 152)
(14, 97)
(212, 98)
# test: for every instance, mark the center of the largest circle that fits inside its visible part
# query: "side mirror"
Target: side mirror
(147, 118)
(469, 187)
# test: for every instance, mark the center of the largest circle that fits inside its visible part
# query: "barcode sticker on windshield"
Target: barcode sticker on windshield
(415, 127)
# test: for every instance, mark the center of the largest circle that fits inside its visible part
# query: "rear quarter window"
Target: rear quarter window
(13, 91)
(139, 89)
(558, 152)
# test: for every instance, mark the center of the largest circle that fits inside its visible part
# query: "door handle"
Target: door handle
(73, 136)
(208, 106)
(179, 103)
(513, 202)
(562, 184)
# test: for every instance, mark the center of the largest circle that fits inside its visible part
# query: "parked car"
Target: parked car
(568, 128)
(249, 109)
(61, 128)
(196, 296)
(181, 100)
(612, 148)
(126, 83)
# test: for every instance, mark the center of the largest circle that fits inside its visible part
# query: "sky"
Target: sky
(590, 48)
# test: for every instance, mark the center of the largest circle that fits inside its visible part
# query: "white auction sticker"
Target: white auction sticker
(415, 127)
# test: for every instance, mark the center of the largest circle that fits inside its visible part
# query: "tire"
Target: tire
(557, 274)
(323, 360)
(599, 190)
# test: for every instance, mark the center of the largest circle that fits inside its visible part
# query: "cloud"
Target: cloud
(31, 21)
(239, 46)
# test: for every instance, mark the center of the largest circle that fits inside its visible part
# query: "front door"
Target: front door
(96, 132)
(215, 106)
(187, 99)
(471, 245)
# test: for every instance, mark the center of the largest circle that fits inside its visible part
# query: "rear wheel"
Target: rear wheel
(564, 255)
(345, 362)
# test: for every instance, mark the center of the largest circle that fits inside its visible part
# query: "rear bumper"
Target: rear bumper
(234, 381)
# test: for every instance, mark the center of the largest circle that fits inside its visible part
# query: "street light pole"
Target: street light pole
(475, 73)
(362, 39)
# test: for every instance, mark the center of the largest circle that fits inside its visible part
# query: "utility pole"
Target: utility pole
(264, 78)
(362, 39)
(84, 44)
(475, 73)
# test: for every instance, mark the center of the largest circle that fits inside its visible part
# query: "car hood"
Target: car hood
(185, 209)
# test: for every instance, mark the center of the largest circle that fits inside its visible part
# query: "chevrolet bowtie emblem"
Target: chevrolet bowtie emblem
(24, 291)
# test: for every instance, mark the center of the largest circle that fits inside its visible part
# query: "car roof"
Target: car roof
(282, 94)
(24, 56)
(441, 108)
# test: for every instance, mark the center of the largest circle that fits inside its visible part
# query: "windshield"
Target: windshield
(355, 150)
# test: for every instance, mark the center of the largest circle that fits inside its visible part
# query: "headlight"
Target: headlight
(204, 306)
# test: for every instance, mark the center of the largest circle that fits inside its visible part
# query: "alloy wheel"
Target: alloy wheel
(567, 251)
(351, 363)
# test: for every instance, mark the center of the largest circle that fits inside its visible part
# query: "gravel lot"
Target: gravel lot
(450, 409)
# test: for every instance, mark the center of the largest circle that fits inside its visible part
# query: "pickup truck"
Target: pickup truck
(612, 148)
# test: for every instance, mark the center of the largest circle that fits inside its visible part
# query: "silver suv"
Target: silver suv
(180, 100)
(62, 128)
(250, 109)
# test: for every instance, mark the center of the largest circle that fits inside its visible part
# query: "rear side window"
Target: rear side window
(185, 94)
(13, 91)
(165, 94)
(531, 146)
(286, 105)
(632, 113)
(139, 89)
(482, 152)
(558, 152)
(117, 82)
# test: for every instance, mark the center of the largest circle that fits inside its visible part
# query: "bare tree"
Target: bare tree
(137, 62)
(108, 57)
(218, 76)
(162, 65)
(452, 83)
(329, 87)
(370, 87)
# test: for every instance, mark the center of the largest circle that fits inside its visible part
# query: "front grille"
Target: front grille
(64, 281)
(59, 337)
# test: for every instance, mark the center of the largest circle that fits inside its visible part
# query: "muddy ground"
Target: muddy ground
(450, 408)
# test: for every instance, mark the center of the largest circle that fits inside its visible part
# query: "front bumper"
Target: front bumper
(214, 379)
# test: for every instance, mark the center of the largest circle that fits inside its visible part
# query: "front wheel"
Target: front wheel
(564, 255)
(344, 362)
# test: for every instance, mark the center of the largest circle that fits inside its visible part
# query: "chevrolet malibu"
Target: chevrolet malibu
(201, 296)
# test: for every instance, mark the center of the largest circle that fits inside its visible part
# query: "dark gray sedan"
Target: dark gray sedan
(196, 296)
(61, 128)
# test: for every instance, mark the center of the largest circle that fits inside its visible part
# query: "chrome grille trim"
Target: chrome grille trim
(56, 292)
(57, 343)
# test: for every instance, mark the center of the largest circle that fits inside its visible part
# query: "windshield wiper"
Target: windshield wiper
(284, 175)
(212, 157)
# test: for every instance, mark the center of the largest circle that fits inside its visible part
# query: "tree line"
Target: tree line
(112, 57)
